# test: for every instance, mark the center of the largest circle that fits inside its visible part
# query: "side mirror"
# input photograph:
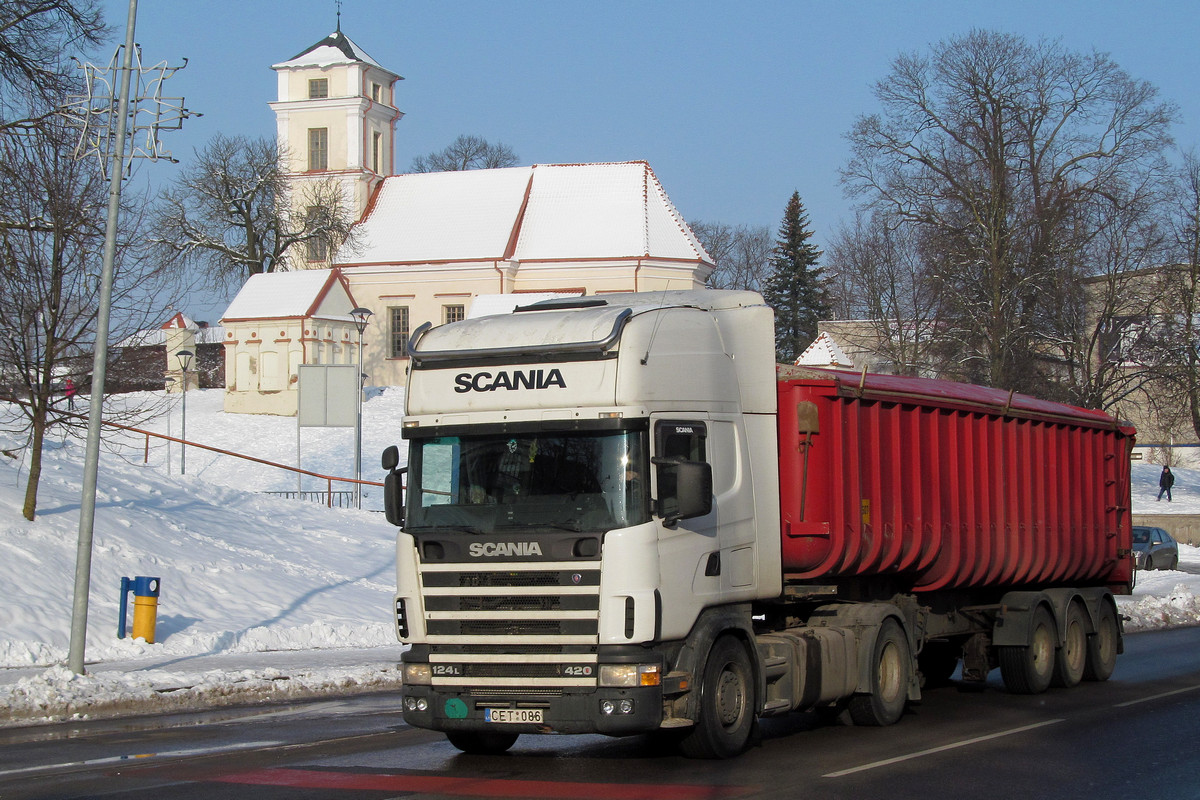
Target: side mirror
(393, 488)
(391, 457)
(685, 489)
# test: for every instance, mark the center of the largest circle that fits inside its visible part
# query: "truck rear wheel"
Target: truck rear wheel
(1072, 656)
(727, 703)
(891, 671)
(1102, 645)
(480, 743)
(1028, 669)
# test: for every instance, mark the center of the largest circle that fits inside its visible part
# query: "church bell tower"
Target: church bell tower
(336, 118)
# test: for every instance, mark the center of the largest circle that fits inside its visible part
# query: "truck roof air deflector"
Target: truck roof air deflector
(549, 351)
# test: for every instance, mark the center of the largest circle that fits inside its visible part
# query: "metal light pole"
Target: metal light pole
(360, 315)
(185, 360)
(87, 504)
(107, 114)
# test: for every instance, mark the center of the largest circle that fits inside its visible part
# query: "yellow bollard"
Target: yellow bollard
(145, 607)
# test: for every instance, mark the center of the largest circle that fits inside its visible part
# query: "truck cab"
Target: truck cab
(585, 480)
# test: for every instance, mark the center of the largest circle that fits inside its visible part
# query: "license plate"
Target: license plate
(517, 715)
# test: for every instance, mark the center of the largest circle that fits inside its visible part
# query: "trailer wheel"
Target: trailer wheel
(1072, 656)
(1102, 646)
(727, 703)
(481, 744)
(891, 671)
(1028, 669)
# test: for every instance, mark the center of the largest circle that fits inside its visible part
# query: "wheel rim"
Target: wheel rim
(1075, 649)
(890, 670)
(1042, 650)
(731, 697)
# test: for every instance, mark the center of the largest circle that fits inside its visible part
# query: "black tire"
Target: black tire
(1102, 645)
(891, 672)
(1028, 669)
(1071, 659)
(727, 703)
(1174, 562)
(481, 744)
(937, 662)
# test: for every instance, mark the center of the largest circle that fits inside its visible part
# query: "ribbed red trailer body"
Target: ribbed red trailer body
(946, 485)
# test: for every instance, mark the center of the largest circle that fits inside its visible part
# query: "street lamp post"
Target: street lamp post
(185, 360)
(360, 315)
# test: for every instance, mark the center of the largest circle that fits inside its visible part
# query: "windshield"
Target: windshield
(578, 481)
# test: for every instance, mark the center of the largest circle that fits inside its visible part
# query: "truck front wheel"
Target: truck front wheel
(891, 671)
(1028, 669)
(727, 703)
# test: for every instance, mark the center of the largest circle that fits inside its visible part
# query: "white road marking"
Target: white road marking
(198, 751)
(942, 749)
(1156, 697)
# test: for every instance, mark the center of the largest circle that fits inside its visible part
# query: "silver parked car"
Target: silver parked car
(1153, 548)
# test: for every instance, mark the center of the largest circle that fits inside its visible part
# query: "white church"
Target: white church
(427, 246)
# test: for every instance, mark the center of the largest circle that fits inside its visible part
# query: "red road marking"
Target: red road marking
(480, 787)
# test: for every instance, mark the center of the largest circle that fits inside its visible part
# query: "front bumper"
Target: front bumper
(574, 712)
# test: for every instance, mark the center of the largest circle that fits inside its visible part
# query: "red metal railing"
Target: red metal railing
(329, 479)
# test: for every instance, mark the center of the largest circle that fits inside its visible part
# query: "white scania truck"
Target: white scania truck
(619, 518)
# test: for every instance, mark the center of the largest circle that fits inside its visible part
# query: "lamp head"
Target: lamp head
(361, 315)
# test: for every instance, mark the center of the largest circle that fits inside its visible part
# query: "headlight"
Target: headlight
(630, 675)
(417, 675)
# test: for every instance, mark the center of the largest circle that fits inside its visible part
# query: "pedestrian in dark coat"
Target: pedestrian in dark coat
(1165, 481)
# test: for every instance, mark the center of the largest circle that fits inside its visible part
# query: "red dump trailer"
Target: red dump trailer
(946, 485)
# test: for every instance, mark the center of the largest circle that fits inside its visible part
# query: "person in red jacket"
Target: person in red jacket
(69, 391)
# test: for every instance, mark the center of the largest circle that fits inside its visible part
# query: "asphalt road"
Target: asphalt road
(1135, 736)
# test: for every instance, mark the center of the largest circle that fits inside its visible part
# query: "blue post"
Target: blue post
(124, 608)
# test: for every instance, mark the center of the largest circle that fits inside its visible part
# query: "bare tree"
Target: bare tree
(881, 276)
(466, 152)
(741, 253)
(1107, 327)
(989, 146)
(35, 38)
(50, 257)
(1177, 334)
(231, 214)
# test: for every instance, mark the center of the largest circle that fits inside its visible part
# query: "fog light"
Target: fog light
(607, 707)
(625, 707)
(410, 704)
(422, 704)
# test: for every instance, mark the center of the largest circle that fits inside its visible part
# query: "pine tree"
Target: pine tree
(796, 286)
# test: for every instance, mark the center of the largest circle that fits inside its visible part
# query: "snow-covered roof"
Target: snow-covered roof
(336, 48)
(824, 352)
(545, 212)
(279, 295)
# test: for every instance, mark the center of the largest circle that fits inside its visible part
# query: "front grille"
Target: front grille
(513, 629)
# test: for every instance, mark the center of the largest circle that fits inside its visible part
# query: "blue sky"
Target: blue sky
(734, 105)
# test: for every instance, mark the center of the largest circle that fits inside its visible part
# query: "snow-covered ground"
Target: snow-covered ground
(261, 597)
